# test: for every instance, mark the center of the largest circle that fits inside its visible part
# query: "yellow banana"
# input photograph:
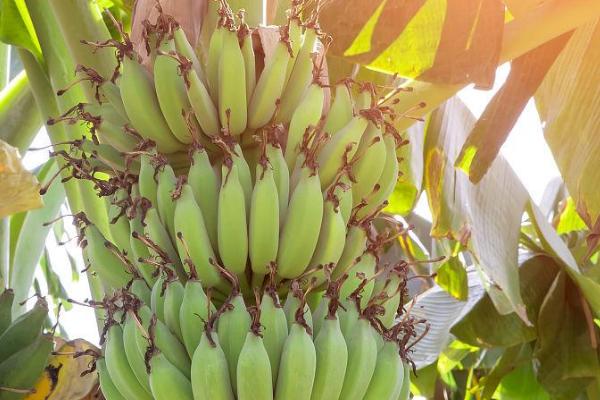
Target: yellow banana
(167, 382)
(210, 375)
(275, 329)
(193, 238)
(118, 366)
(232, 227)
(170, 91)
(195, 309)
(340, 149)
(300, 78)
(302, 225)
(234, 323)
(108, 388)
(386, 382)
(205, 185)
(367, 169)
(142, 107)
(362, 358)
(341, 111)
(271, 82)
(264, 220)
(387, 181)
(233, 105)
(297, 366)
(308, 113)
(332, 358)
(254, 379)
(173, 299)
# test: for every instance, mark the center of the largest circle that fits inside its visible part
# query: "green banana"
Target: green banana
(119, 225)
(341, 111)
(170, 91)
(210, 375)
(142, 107)
(21, 370)
(139, 251)
(355, 246)
(159, 235)
(245, 34)
(364, 268)
(205, 112)
(135, 358)
(297, 366)
(232, 228)
(141, 290)
(302, 225)
(173, 299)
(112, 93)
(108, 126)
(205, 184)
(157, 298)
(195, 309)
(6, 302)
(370, 163)
(119, 368)
(295, 38)
(104, 260)
(193, 238)
(340, 148)
(184, 47)
(24, 330)
(275, 329)
(386, 382)
(108, 388)
(332, 358)
(292, 303)
(281, 175)
(269, 87)
(254, 376)
(332, 238)
(307, 114)
(362, 358)
(215, 47)
(167, 382)
(244, 173)
(233, 105)
(147, 184)
(405, 390)
(167, 182)
(263, 230)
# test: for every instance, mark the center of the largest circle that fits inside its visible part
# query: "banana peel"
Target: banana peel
(61, 379)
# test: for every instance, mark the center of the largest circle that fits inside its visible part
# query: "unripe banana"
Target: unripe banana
(173, 300)
(232, 228)
(331, 239)
(300, 78)
(108, 388)
(343, 192)
(332, 358)
(141, 290)
(233, 105)
(118, 224)
(112, 93)
(254, 379)
(387, 181)
(147, 184)
(362, 358)
(184, 47)
(139, 251)
(281, 175)
(320, 313)
(142, 107)
(23, 369)
(215, 49)
(157, 298)
(340, 148)
(234, 323)
(269, 87)
(301, 227)
(135, 358)
(6, 303)
(348, 318)
(166, 342)
(275, 329)
(386, 382)
(363, 269)
(159, 235)
(201, 102)
(405, 391)
(308, 113)
(194, 311)
(355, 246)
(104, 260)
(118, 366)
(110, 130)
(292, 303)
(341, 111)
(368, 167)
(249, 59)
(295, 37)
(193, 238)
(205, 185)
(244, 173)
(297, 367)
(167, 382)
(170, 91)
(264, 220)
(24, 330)
(210, 375)
(165, 206)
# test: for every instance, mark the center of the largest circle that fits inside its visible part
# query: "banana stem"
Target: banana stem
(521, 35)
(4, 222)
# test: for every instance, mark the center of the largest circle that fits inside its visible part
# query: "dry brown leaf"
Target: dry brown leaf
(21, 190)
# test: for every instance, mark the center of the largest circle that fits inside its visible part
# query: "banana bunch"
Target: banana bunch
(24, 348)
(232, 180)
(175, 340)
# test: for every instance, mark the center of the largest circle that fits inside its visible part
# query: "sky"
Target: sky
(525, 150)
